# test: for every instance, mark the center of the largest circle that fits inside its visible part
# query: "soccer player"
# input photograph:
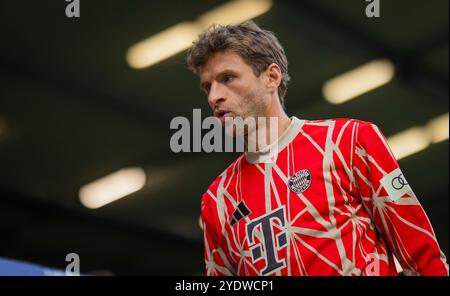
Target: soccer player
(330, 200)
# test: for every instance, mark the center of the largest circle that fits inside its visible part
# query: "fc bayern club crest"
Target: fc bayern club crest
(300, 181)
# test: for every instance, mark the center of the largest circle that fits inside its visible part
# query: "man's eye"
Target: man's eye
(228, 78)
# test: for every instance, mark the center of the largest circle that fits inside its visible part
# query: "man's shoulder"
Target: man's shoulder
(336, 121)
(344, 131)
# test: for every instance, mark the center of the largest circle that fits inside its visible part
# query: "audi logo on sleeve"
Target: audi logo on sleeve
(399, 182)
(395, 185)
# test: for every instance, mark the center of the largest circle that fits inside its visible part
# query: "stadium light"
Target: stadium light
(438, 128)
(234, 12)
(112, 187)
(408, 142)
(358, 81)
(179, 37)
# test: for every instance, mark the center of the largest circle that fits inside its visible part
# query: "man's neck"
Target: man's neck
(268, 130)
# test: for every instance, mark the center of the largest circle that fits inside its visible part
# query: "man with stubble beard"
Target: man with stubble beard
(329, 200)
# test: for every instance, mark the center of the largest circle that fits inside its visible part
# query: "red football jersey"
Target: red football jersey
(330, 200)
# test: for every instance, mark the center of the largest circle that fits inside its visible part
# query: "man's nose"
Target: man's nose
(216, 94)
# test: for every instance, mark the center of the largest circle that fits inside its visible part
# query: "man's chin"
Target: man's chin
(237, 126)
(230, 128)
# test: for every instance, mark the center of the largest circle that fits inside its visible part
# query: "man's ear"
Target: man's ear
(273, 75)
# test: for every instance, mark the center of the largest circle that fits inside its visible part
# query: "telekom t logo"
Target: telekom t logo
(267, 242)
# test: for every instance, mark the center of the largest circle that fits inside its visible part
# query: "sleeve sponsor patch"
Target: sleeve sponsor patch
(395, 185)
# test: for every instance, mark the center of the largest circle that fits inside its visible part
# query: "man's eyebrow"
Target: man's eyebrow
(221, 73)
(226, 71)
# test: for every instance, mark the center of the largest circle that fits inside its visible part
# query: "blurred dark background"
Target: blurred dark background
(73, 111)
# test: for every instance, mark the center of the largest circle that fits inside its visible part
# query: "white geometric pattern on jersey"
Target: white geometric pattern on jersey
(359, 224)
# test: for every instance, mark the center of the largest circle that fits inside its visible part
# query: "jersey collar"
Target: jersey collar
(269, 152)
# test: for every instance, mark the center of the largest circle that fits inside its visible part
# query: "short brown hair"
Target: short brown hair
(259, 48)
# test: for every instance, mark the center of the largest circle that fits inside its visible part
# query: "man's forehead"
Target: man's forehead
(220, 62)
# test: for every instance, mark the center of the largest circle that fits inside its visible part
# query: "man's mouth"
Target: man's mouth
(222, 114)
